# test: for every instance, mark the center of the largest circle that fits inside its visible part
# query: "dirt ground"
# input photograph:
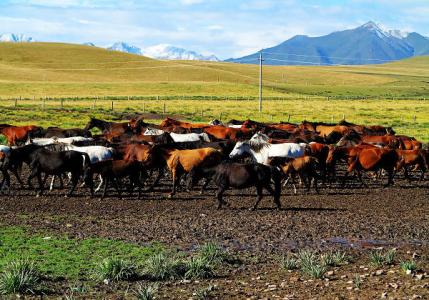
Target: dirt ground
(353, 219)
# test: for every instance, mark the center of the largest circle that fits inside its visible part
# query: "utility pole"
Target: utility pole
(260, 81)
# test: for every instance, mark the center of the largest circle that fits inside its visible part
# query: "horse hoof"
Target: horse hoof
(170, 196)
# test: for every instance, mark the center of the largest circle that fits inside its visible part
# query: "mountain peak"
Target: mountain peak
(371, 26)
(124, 47)
(15, 38)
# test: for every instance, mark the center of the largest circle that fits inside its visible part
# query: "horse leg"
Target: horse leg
(33, 174)
(259, 197)
(51, 186)
(315, 177)
(204, 186)
(41, 187)
(176, 177)
(273, 193)
(100, 184)
(359, 174)
(219, 195)
(157, 179)
(75, 181)
(117, 187)
(106, 181)
(390, 174)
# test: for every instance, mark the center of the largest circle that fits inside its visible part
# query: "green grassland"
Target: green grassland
(391, 94)
(51, 69)
(63, 257)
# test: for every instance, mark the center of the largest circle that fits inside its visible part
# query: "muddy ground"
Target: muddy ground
(353, 219)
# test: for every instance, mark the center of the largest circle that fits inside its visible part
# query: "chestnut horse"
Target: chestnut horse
(19, 134)
(169, 122)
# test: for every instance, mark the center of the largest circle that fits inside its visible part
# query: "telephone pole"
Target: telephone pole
(260, 81)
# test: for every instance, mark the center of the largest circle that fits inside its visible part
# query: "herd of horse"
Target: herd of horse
(238, 154)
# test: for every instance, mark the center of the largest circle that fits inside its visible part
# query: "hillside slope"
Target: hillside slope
(52, 69)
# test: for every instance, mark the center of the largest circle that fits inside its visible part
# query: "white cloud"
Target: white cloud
(191, 2)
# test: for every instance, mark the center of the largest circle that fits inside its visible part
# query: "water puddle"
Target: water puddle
(368, 243)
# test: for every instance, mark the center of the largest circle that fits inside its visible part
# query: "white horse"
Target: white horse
(190, 137)
(95, 153)
(261, 150)
(153, 131)
(54, 140)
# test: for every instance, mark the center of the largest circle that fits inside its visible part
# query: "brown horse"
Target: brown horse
(169, 122)
(409, 158)
(19, 134)
(373, 159)
(112, 129)
(228, 133)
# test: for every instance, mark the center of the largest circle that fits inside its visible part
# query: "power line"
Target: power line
(325, 56)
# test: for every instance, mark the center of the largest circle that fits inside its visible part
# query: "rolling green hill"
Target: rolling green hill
(54, 70)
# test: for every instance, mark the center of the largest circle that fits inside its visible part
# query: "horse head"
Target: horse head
(240, 149)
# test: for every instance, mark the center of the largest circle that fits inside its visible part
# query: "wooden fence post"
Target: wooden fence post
(16, 102)
(202, 112)
(220, 116)
(288, 117)
(164, 110)
(144, 106)
(332, 119)
(344, 116)
(414, 118)
(94, 103)
(112, 105)
(62, 103)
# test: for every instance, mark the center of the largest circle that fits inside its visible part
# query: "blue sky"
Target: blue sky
(226, 28)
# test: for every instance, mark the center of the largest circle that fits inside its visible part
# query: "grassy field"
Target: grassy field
(201, 91)
(50, 69)
(397, 113)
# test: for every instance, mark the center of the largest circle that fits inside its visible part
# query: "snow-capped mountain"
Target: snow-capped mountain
(89, 44)
(162, 51)
(370, 43)
(165, 51)
(124, 47)
(15, 38)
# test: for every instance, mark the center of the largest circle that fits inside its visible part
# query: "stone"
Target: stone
(384, 295)
(419, 276)
(409, 272)
(343, 276)
(330, 273)
(379, 272)
(349, 288)
(393, 285)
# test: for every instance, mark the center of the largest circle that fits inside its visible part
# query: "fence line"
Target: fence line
(204, 97)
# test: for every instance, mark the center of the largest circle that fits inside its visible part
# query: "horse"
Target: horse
(49, 141)
(261, 150)
(227, 133)
(305, 167)
(112, 171)
(414, 158)
(169, 122)
(57, 163)
(182, 161)
(112, 128)
(241, 176)
(190, 137)
(51, 132)
(153, 131)
(19, 134)
(373, 159)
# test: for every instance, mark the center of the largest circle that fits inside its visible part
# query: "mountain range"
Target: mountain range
(162, 51)
(366, 44)
(16, 38)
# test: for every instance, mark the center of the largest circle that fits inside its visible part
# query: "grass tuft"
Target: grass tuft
(19, 276)
(289, 262)
(146, 292)
(409, 265)
(376, 258)
(199, 268)
(114, 269)
(357, 281)
(213, 253)
(204, 293)
(162, 267)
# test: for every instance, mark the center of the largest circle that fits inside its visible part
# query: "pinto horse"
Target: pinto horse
(19, 134)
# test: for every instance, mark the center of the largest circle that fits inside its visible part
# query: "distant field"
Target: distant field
(50, 69)
(39, 70)
(397, 113)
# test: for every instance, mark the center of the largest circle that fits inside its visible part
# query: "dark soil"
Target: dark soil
(353, 219)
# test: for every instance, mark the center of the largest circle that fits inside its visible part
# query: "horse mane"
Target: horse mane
(258, 146)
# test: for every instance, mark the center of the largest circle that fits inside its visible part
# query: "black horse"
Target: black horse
(57, 163)
(241, 176)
